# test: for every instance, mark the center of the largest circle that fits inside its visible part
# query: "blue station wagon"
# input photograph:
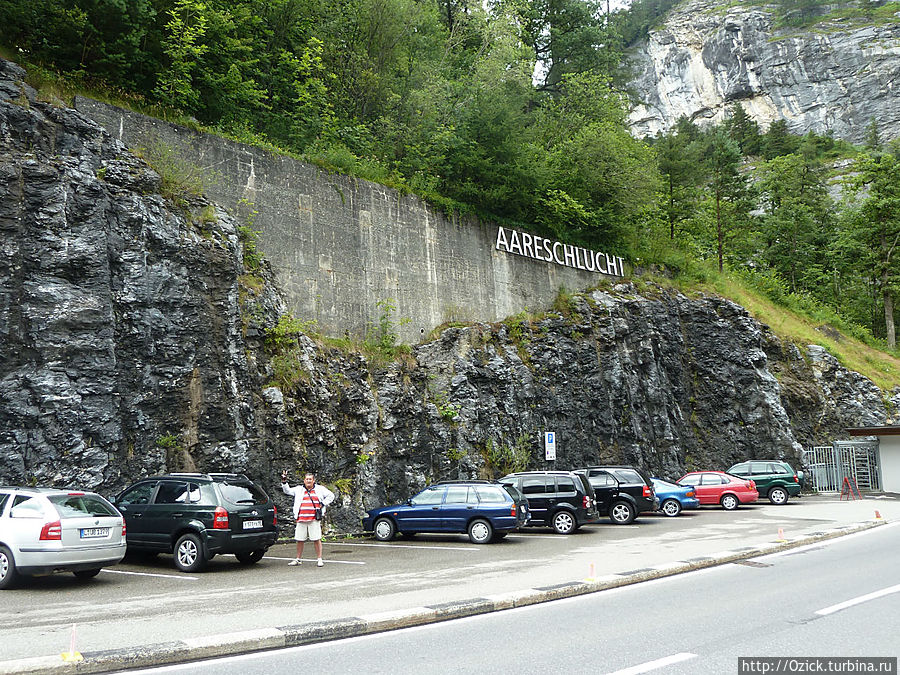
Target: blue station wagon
(485, 510)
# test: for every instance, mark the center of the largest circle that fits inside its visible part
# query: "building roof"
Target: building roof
(892, 430)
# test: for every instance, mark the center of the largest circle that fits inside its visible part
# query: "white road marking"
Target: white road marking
(857, 601)
(658, 663)
(151, 574)
(434, 548)
(535, 536)
(312, 561)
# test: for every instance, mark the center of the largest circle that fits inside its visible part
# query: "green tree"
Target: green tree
(566, 37)
(872, 230)
(727, 189)
(183, 47)
(779, 141)
(743, 130)
(796, 224)
(678, 160)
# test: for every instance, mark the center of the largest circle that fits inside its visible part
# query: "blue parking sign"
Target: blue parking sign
(550, 445)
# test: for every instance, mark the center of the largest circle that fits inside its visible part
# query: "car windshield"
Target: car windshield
(78, 506)
(665, 483)
(243, 493)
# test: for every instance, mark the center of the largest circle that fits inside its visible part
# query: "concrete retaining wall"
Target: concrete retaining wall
(340, 245)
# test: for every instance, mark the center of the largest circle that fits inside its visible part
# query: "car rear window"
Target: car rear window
(490, 494)
(628, 475)
(585, 484)
(243, 492)
(513, 492)
(78, 506)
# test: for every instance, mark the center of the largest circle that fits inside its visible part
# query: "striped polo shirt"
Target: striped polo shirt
(308, 506)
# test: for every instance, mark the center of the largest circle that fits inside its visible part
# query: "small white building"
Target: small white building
(888, 453)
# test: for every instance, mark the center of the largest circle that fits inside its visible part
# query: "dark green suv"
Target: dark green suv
(774, 479)
(194, 516)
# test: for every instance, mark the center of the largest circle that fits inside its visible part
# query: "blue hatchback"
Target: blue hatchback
(673, 498)
(485, 510)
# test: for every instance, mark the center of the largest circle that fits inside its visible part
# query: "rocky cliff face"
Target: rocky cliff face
(133, 340)
(837, 76)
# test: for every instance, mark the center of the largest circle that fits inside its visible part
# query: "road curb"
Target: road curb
(231, 644)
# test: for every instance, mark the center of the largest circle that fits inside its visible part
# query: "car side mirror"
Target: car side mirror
(409, 502)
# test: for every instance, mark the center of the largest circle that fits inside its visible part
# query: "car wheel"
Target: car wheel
(189, 553)
(729, 502)
(384, 529)
(8, 573)
(671, 507)
(250, 557)
(621, 513)
(778, 495)
(563, 522)
(480, 531)
(86, 574)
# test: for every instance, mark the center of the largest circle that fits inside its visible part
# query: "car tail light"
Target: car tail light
(76, 494)
(220, 519)
(51, 531)
(751, 485)
(512, 511)
(123, 529)
(647, 492)
(690, 493)
(586, 502)
(796, 480)
(275, 517)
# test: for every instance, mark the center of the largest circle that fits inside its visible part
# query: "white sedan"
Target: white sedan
(44, 530)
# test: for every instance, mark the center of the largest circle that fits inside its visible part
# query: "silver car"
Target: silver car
(44, 530)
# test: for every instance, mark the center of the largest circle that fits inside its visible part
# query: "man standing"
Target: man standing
(310, 501)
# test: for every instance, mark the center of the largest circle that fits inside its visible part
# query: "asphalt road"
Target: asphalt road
(144, 602)
(839, 598)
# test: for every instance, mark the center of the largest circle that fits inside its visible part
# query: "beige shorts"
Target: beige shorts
(311, 530)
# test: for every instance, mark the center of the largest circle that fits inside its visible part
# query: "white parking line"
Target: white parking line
(856, 601)
(435, 548)
(653, 665)
(328, 561)
(535, 536)
(151, 574)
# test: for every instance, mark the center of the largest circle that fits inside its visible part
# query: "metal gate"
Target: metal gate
(826, 466)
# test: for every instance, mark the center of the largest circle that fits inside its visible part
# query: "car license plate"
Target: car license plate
(252, 524)
(93, 532)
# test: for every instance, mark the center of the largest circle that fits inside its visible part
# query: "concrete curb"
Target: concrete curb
(230, 644)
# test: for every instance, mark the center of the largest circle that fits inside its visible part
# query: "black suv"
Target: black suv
(563, 500)
(197, 515)
(622, 492)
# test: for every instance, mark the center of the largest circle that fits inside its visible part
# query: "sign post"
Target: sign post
(550, 445)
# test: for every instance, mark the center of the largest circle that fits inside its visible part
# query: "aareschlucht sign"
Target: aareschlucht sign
(548, 250)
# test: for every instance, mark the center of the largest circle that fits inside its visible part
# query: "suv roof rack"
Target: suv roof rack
(212, 475)
(463, 480)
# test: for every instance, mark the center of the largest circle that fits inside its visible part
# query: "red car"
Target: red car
(718, 487)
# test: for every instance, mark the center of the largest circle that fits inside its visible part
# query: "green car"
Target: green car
(774, 479)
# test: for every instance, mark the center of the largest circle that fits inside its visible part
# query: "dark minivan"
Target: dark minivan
(622, 492)
(195, 516)
(562, 500)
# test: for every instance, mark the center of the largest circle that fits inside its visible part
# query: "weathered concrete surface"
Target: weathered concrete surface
(341, 245)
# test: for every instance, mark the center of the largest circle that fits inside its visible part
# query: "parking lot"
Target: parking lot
(144, 601)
